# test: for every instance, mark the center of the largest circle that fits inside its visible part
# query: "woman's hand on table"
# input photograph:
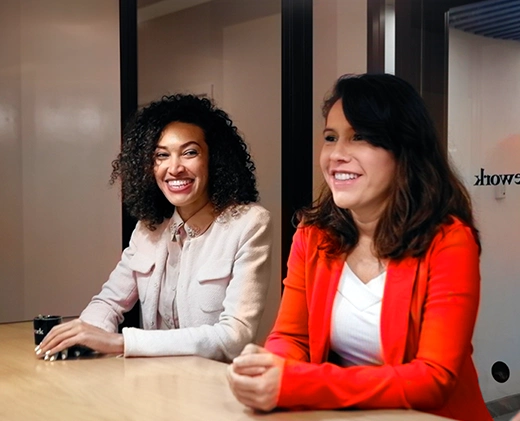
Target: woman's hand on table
(255, 377)
(77, 332)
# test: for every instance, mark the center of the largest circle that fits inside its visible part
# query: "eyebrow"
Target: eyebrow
(184, 145)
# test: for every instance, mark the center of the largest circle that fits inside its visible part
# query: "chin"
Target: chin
(341, 202)
(342, 205)
(175, 201)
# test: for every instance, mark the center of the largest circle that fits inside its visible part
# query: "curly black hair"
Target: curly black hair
(231, 170)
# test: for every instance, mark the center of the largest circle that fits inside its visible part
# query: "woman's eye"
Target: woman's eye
(330, 138)
(191, 152)
(358, 136)
(161, 155)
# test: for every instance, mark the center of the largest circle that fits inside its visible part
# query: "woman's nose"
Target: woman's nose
(175, 166)
(341, 152)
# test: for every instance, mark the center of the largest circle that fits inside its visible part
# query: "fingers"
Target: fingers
(57, 344)
(56, 330)
(260, 392)
(47, 356)
(253, 360)
(59, 339)
(251, 349)
(250, 371)
(254, 349)
(241, 382)
(78, 332)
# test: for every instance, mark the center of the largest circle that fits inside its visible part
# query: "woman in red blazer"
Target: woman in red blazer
(393, 218)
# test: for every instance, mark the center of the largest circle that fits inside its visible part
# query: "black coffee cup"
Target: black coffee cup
(43, 325)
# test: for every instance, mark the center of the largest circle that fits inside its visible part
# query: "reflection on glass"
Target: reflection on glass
(484, 142)
(228, 50)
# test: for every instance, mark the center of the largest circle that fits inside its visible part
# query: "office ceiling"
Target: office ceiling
(151, 9)
(182, 4)
(144, 3)
(490, 18)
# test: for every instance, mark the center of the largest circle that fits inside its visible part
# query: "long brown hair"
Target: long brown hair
(426, 193)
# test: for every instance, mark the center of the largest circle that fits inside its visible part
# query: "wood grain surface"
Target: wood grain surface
(108, 388)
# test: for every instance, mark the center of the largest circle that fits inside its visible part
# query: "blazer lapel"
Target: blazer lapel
(327, 278)
(395, 311)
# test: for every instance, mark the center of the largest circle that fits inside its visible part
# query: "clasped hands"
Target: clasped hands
(255, 377)
(77, 332)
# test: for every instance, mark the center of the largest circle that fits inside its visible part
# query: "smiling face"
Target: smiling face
(181, 167)
(358, 173)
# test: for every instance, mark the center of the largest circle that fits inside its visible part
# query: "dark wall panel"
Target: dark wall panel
(296, 115)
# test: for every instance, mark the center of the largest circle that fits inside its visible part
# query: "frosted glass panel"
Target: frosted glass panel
(229, 50)
(484, 143)
(339, 47)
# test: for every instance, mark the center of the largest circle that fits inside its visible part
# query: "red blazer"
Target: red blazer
(427, 318)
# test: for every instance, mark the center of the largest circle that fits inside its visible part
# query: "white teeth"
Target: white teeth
(178, 183)
(345, 176)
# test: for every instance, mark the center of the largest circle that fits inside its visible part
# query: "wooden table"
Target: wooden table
(126, 389)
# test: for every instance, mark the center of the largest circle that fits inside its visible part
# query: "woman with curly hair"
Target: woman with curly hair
(199, 257)
(383, 281)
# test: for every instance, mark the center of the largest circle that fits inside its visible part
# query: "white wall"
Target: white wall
(230, 49)
(339, 47)
(252, 93)
(183, 51)
(390, 39)
(484, 132)
(11, 187)
(60, 131)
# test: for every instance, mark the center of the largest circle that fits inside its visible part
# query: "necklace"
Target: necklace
(193, 230)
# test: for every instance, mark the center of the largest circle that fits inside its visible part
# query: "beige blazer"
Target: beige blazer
(220, 293)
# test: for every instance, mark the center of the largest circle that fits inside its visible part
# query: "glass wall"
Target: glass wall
(339, 47)
(484, 142)
(229, 50)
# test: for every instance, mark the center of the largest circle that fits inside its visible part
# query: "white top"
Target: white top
(356, 319)
(219, 293)
(167, 317)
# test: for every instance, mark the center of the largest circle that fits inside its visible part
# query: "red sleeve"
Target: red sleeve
(449, 314)
(290, 337)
